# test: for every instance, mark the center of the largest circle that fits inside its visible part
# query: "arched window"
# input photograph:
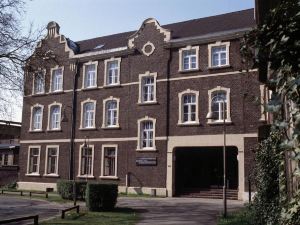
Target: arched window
(39, 83)
(37, 117)
(146, 134)
(219, 105)
(54, 117)
(189, 108)
(111, 113)
(90, 75)
(88, 115)
(57, 79)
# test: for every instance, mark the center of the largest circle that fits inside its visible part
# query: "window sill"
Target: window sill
(32, 175)
(88, 128)
(188, 124)
(38, 94)
(89, 88)
(50, 175)
(219, 122)
(109, 177)
(146, 150)
(148, 103)
(111, 128)
(55, 130)
(86, 177)
(111, 85)
(189, 70)
(56, 92)
(218, 67)
(36, 131)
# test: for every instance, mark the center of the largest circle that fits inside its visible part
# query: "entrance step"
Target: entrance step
(215, 193)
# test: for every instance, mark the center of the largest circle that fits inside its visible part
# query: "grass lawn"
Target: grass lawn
(117, 217)
(242, 217)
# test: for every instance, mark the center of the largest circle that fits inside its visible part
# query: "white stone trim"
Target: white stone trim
(188, 48)
(162, 30)
(46, 161)
(180, 112)
(101, 52)
(141, 77)
(82, 113)
(28, 161)
(49, 115)
(139, 122)
(33, 81)
(106, 74)
(104, 112)
(31, 117)
(96, 73)
(116, 161)
(51, 75)
(217, 44)
(228, 103)
(45, 141)
(79, 164)
(37, 186)
(145, 46)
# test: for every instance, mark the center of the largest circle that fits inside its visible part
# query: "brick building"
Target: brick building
(131, 108)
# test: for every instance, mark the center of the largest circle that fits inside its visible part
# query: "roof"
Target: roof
(185, 29)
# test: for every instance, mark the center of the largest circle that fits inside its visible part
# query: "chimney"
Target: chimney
(53, 29)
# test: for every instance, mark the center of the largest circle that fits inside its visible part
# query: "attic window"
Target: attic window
(99, 46)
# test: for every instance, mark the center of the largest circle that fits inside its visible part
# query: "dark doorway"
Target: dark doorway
(199, 168)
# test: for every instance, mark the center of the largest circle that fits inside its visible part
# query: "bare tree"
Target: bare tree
(15, 48)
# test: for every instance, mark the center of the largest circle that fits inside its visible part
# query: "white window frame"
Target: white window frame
(51, 80)
(49, 116)
(218, 44)
(104, 114)
(188, 48)
(106, 72)
(84, 74)
(210, 92)
(139, 136)
(31, 118)
(79, 167)
(82, 114)
(141, 88)
(115, 146)
(33, 84)
(180, 112)
(46, 161)
(28, 161)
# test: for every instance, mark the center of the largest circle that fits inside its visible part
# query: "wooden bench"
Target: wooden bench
(14, 191)
(63, 212)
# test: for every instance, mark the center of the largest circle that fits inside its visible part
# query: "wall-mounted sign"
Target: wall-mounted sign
(146, 161)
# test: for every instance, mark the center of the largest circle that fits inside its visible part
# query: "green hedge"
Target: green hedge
(101, 197)
(65, 189)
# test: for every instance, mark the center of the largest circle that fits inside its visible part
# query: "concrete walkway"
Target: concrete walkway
(12, 207)
(179, 211)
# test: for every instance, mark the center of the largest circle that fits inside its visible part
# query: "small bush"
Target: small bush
(65, 189)
(101, 197)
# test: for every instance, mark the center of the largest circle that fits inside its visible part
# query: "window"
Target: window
(4, 159)
(39, 83)
(219, 54)
(147, 88)
(90, 75)
(112, 71)
(33, 160)
(109, 161)
(86, 161)
(89, 115)
(54, 116)
(188, 107)
(146, 140)
(219, 104)
(188, 58)
(52, 160)
(111, 112)
(88, 111)
(57, 80)
(37, 118)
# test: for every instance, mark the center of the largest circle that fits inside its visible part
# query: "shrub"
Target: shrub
(101, 197)
(65, 189)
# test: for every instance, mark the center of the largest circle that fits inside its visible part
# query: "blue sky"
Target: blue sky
(84, 19)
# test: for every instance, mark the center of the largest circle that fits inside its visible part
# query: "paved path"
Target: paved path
(177, 211)
(12, 207)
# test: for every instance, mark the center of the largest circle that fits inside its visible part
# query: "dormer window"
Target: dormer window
(218, 54)
(90, 75)
(39, 83)
(112, 72)
(188, 58)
